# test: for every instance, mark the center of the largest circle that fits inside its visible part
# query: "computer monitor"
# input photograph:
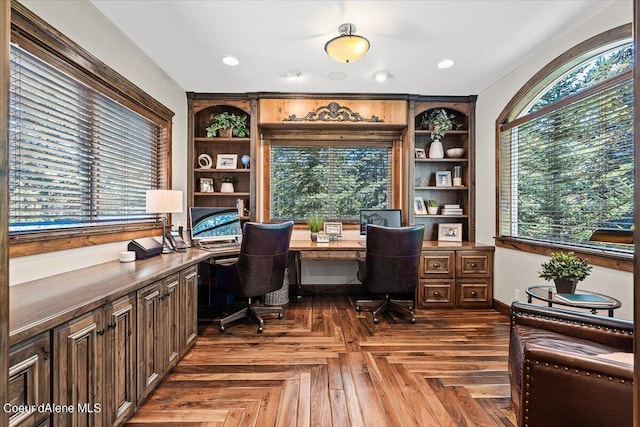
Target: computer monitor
(210, 224)
(384, 217)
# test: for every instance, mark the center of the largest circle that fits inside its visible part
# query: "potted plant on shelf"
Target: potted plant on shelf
(441, 122)
(432, 207)
(227, 124)
(227, 184)
(566, 270)
(315, 226)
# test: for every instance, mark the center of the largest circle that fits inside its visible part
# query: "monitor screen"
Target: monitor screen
(384, 217)
(214, 224)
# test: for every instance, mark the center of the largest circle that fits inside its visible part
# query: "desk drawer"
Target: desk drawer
(474, 264)
(436, 294)
(474, 293)
(328, 255)
(437, 265)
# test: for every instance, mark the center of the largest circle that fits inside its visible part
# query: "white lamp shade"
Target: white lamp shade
(347, 48)
(164, 201)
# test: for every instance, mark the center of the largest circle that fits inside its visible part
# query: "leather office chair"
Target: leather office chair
(391, 266)
(259, 269)
(560, 369)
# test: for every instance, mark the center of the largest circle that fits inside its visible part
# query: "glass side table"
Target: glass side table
(548, 294)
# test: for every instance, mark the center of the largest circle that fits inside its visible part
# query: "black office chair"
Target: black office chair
(391, 266)
(259, 269)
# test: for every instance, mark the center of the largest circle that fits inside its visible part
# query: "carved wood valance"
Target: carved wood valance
(333, 112)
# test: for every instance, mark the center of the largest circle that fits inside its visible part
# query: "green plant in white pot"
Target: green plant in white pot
(441, 122)
(315, 224)
(566, 270)
(432, 207)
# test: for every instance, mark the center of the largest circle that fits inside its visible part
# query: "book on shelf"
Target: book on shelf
(586, 299)
(446, 211)
(451, 207)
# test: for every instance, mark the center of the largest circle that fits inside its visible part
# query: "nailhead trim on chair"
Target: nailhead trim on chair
(515, 314)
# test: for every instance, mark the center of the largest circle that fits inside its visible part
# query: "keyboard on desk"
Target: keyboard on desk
(214, 247)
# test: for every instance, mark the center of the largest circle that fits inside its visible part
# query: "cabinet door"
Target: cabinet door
(436, 293)
(189, 311)
(150, 331)
(29, 367)
(171, 316)
(78, 370)
(474, 264)
(437, 265)
(472, 293)
(120, 360)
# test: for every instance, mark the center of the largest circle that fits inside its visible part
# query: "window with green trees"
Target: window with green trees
(566, 157)
(333, 181)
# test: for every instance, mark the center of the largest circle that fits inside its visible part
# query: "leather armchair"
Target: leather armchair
(557, 371)
(259, 268)
(391, 266)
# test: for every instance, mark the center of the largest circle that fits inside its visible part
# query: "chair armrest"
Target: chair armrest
(608, 331)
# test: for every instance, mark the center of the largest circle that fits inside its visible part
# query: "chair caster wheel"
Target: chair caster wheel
(410, 308)
(412, 320)
(280, 315)
(376, 321)
(221, 329)
(358, 308)
(259, 329)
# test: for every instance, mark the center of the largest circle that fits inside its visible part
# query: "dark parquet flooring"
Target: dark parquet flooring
(325, 364)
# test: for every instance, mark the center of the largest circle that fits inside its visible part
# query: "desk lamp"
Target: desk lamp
(164, 202)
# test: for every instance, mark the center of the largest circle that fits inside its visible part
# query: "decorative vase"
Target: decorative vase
(225, 133)
(565, 286)
(246, 160)
(314, 236)
(226, 187)
(436, 151)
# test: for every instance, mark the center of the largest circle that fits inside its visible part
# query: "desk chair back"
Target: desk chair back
(392, 258)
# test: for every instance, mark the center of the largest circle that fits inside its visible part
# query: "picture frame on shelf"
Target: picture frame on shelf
(420, 153)
(333, 230)
(443, 179)
(450, 232)
(419, 207)
(422, 181)
(206, 185)
(227, 161)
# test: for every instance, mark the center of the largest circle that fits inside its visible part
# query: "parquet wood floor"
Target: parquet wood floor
(324, 364)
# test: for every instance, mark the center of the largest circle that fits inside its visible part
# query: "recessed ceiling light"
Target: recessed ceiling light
(230, 60)
(446, 63)
(293, 74)
(381, 75)
(336, 75)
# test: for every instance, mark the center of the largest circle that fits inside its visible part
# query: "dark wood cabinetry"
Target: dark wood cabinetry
(456, 278)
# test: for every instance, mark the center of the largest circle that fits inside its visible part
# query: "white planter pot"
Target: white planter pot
(432, 210)
(436, 151)
(226, 187)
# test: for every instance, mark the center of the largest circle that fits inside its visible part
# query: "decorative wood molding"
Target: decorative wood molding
(333, 112)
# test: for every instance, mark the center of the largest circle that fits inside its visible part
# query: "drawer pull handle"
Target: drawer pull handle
(436, 294)
(473, 265)
(100, 332)
(474, 294)
(111, 325)
(436, 265)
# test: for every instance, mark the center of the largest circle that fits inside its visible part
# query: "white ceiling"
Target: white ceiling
(486, 39)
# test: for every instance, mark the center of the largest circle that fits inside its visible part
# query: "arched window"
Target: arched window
(565, 150)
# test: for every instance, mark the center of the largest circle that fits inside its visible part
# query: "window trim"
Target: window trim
(523, 97)
(392, 138)
(36, 36)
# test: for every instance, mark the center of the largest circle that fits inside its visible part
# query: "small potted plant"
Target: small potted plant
(441, 122)
(227, 184)
(432, 207)
(227, 124)
(566, 270)
(315, 226)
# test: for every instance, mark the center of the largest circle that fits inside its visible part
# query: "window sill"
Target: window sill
(621, 262)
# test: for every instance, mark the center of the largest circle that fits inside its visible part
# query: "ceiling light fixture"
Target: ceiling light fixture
(230, 60)
(347, 47)
(446, 63)
(381, 75)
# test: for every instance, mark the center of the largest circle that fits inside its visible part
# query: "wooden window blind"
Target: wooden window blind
(77, 158)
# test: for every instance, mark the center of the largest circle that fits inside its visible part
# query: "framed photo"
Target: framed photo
(418, 206)
(443, 179)
(206, 185)
(450, 232)
(227, 161)
(420, 153)
(333, 228)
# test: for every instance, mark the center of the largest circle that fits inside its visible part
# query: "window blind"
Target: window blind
(566, 171)
(76, 157)
(330, 181)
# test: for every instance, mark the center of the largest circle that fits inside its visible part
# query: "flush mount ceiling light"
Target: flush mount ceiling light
(381, 75)
(446, 63)
(347, 47)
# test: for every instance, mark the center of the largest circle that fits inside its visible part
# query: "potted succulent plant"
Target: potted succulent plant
(227, 124)
(227, 184)
(315, 226)
(566, 270)
(432, 207)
